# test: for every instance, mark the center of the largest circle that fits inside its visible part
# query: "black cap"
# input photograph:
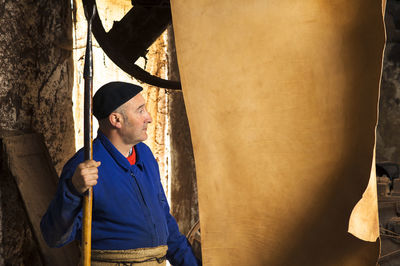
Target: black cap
(111, 96)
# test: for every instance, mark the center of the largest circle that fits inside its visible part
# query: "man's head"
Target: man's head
(120, 109)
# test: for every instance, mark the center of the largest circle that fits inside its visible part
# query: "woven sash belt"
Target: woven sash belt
(141, 256)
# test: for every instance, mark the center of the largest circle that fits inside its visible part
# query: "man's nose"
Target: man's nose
(148, 118)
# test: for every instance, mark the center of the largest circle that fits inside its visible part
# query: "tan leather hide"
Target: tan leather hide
(281, 97)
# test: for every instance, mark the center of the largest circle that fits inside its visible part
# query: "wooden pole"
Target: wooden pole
(88, 138)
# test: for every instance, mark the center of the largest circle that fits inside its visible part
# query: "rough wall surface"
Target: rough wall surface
(183, 174)
(388, 132)
(156, 104)
(388, 137)
(36, 73)
(184, 203)
(35, 95)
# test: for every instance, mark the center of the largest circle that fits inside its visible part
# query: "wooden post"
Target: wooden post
(88, 138)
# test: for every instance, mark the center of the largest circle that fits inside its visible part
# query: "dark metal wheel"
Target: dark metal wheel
(130, 37)
(194, 238)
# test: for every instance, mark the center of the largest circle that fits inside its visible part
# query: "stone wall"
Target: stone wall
(36, 72)
(35, 96)
(388, 131)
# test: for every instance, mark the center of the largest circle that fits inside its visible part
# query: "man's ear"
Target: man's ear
(116, 120)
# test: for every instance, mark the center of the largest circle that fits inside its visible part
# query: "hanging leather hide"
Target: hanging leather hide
(281, 97)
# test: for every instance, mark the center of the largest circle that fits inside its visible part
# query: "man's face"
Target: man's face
(136, 119)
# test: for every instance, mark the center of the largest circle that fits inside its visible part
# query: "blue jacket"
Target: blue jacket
(130, 209)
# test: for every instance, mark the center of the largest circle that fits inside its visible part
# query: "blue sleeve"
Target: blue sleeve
(62, 221)
(179, 250)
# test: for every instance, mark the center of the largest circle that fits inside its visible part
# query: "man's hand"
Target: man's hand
(85, 175)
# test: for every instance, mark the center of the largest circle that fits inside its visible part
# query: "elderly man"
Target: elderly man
(131, 219)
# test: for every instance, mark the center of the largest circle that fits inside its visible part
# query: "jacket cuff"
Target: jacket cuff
(72, 188)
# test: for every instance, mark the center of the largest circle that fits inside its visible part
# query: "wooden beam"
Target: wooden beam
(30, 164)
